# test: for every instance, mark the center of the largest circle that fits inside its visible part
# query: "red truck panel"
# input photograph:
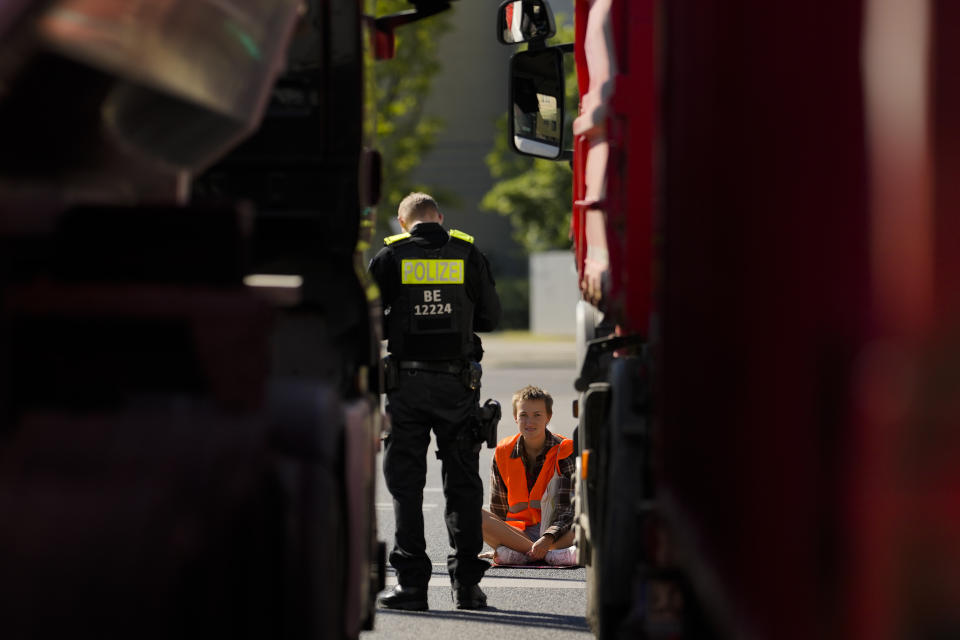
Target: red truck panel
(811, 342)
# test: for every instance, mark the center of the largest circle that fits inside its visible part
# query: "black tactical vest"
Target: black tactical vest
(432, 318)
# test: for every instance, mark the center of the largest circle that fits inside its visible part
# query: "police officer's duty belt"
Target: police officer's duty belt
(437, 366)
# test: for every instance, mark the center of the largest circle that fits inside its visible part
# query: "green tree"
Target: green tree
(403, 133)
(535, 194)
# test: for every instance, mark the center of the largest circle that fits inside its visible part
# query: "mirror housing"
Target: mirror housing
(536, 102)
(525, 21)
(384, 41)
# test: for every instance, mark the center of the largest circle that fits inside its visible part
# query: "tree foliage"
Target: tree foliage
(535, 194)
(403, 133)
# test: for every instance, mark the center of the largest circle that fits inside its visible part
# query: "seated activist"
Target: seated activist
(523, 465)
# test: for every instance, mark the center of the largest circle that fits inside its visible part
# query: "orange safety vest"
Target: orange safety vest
(524, 506)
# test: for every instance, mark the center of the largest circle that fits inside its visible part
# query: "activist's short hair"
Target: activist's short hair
(531, 392)
(416, 206)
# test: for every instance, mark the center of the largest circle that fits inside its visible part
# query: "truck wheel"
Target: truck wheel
(593, 598)
(592, 436)
(621, 481)
(378, 583)
(603, 619)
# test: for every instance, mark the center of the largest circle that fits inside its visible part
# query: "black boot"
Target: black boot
(469, 597)
(406, 598)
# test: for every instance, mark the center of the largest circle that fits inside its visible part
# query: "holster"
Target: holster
(486, 420)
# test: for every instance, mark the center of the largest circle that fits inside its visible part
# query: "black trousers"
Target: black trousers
(423, 401)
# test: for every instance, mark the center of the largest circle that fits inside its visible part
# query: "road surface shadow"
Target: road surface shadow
(502, 616)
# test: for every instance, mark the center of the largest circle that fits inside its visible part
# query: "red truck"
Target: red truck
(765, 226)
(189, 344)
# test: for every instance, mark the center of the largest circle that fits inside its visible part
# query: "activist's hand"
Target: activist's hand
(540, 548)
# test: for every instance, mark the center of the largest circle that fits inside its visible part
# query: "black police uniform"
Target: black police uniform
(436, 290)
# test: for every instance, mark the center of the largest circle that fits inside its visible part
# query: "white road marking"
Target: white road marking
(514, 583)
(389, 505)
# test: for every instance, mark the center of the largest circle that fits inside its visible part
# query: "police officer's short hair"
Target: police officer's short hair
(531, 392)
(417, 206)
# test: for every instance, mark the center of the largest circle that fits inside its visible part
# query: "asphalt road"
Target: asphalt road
(528, 603)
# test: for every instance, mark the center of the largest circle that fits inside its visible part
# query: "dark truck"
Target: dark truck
(189, 344)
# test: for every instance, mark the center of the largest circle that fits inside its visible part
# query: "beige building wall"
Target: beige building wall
(553, 293)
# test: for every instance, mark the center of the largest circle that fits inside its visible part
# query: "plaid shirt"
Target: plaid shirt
(563, 513)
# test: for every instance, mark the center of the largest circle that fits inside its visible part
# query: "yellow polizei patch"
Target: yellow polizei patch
(424, 271)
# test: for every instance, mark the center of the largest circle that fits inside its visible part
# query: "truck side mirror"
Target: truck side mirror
(525, 21)
(536, 102)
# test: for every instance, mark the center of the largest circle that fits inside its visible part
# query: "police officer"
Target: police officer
(437, 290)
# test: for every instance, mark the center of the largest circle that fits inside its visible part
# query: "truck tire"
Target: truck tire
(626, 468)
(593, 600)
(591, 432)
(617, 439)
